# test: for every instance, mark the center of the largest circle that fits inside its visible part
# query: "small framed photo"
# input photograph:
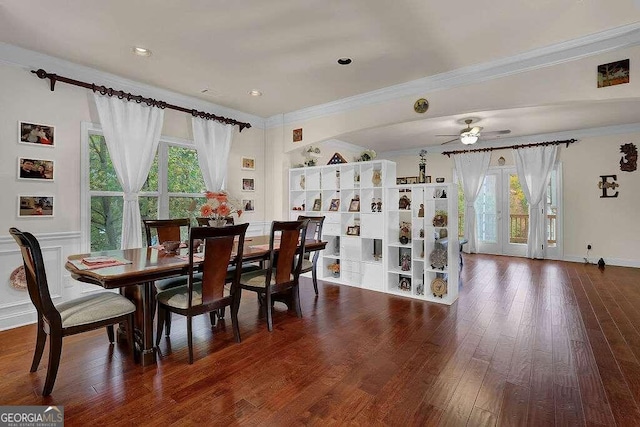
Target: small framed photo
(35, 206)
(334, 205)
(248, 164)
(353, 230)
(354, 206)
(428, 179)
(401, 180)
(317, 205)
(35, 169)
(36, 134)
(248, 205)
(248, 184)
(412, 180)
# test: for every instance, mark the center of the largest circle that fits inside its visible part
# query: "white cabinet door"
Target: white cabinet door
(372, 226)
(372, 276)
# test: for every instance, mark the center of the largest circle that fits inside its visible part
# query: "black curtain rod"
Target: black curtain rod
(103, 90)
(515, 147)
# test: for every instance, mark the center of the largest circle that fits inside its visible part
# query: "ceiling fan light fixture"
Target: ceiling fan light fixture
(468, 138)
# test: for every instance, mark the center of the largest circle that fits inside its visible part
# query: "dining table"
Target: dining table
(140, 267)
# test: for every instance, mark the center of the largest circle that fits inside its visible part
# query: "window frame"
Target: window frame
(162, 193)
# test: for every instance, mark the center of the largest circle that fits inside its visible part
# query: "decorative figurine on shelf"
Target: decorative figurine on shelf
(404, 284)
(405, 262)
(422, 176)
(373, 205)
(422, 233)
(438, 287)
(376, 178)
(444, 194)
(302, 181)
(366, 156)
(440, 219)
(420, 288)
(311, 154)
(404, 202)
(379, 205)
(405, 232)
(421, 211)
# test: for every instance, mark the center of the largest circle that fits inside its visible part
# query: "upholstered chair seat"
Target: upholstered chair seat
(94, 308)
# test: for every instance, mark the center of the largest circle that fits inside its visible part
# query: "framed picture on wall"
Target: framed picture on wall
(36, 134)
(35, 206)
(35, 169)
(248, 184)
(248, 205)
(248, 163)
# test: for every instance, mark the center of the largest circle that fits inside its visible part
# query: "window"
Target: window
(174, 189)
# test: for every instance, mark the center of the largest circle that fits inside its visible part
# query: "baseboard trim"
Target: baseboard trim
(15, 320)
(618, 262)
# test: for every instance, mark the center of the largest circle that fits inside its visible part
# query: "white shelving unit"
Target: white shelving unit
(409, 266)
(335, 190)
(373, 258)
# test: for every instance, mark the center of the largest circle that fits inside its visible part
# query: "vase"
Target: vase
(217, 222)
(335, 273)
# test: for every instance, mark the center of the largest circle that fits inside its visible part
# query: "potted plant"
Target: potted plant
(334, 269)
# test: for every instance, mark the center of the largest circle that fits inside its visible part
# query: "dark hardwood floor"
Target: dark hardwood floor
(528, 343)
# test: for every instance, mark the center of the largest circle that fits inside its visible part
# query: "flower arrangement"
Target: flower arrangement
(219, 206)
(366, 156)
(311, 154)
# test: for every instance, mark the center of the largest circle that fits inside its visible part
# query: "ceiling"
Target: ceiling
(288, 48)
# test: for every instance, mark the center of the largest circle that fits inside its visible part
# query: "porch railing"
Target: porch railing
(519, 227)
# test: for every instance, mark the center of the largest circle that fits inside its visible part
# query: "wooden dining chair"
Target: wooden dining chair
(281, 277)
(92, 311)
(207, 295)
(167, 230)
(314, 231)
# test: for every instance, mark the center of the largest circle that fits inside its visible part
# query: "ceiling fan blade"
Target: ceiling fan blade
(497, 132)
(449, 134)
(476, 129)
(454, 139)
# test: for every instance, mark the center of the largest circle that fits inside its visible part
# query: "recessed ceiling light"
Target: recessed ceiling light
(141, 51)
(344, 61)
(255, 92)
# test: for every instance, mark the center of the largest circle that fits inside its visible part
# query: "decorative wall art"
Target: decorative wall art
(297, 135)
(613, 73)
(36, 134)
(35, 169)
(605, 185)
(35, 206)
(248, 163)
(629, 162)
(18, 279)
(248, 205)
(248, 184)
(421, 106)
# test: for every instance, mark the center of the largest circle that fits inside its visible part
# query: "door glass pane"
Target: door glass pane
(106, 220)
(518, 212)
(486, 210)
(184, 175)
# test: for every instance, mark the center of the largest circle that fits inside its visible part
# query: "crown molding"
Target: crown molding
(571, 50)
(31, 60)
(519, 140)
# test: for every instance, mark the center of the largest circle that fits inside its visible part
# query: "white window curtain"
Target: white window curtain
(534, 166)
(132, 132)
(471, 169)
(213, 143)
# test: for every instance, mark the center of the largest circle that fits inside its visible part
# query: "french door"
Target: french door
(502, 214)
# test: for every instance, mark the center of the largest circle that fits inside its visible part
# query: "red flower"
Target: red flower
(206, 210)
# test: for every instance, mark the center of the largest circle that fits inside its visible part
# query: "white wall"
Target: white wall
(24, 97)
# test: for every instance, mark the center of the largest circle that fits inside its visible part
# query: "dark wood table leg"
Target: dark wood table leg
(143, 297)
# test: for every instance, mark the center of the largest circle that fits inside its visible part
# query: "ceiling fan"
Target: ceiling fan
(470, 135)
